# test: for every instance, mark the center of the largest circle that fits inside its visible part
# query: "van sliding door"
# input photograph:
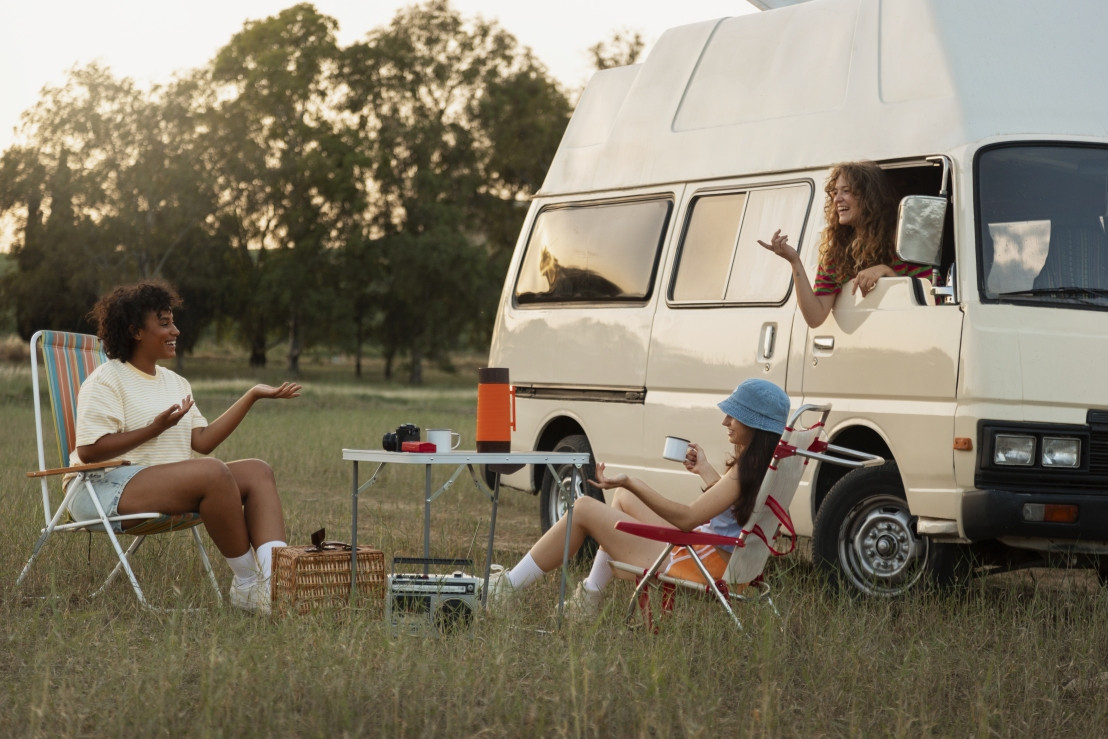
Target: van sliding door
(725, 319)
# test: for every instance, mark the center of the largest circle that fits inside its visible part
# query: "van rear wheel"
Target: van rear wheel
(552, 505)
(864, 536)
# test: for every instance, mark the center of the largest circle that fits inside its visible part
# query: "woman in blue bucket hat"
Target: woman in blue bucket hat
(755, 415)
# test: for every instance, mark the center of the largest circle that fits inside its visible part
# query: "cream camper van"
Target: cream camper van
(638, 296)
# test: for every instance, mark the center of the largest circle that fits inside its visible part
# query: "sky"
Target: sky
(149, 40)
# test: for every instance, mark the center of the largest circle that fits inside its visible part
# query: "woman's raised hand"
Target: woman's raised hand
(173, 414)
(695, 459)
(286, 390)
(606, 483)
(779, 245)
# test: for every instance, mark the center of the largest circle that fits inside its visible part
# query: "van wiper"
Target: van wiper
(1060, 292)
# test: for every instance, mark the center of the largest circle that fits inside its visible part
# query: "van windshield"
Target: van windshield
(1042, 217)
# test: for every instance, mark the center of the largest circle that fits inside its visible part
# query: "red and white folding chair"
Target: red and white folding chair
(757, 542)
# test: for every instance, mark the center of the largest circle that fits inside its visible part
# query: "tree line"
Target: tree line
(295, 192)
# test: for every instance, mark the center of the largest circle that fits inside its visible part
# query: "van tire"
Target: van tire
(864, 537)
(551, 508)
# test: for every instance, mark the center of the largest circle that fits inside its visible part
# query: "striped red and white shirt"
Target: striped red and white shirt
(829, 283)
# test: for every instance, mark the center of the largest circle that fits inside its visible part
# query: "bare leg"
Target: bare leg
(632, 505)
(261, 506)
(595, 519)
(203, 485)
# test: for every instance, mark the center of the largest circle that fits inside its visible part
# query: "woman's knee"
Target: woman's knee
(211, 472)
(253, 474)
(619, 498)
(585, 509)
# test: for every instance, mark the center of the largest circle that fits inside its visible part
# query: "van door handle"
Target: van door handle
(824, 344)
(769, 341)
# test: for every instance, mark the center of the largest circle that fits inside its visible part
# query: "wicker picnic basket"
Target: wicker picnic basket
(317, 577)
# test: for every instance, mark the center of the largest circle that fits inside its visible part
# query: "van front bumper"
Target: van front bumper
(992, 514)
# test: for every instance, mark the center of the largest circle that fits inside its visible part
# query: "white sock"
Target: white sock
(265, 556)
(600, 574)
(245, 567)
(524, 573)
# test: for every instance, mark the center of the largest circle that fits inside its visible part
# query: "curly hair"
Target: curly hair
(753, 463)
(119, 313)
(846, 250)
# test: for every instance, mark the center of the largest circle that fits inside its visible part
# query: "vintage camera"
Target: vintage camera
(404, 432)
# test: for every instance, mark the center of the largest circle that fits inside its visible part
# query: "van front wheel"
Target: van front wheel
(864, 536)
(552, 505)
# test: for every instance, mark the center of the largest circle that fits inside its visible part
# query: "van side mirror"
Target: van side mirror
(919, 229)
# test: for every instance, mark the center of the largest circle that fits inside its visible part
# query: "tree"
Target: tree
(622, 48)
(286, 169)
(108, 190)
(433, 95)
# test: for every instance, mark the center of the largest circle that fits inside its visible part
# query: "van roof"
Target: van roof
(834, 80)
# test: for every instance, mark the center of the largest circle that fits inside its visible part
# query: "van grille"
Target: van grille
(1098, 443)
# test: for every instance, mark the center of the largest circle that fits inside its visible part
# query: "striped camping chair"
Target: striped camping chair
(742, 580)
(67, 359)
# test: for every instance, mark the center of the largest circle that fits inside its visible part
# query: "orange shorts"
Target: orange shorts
(682, 566)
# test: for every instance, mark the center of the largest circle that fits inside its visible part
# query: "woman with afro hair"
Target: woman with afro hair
(130, 408)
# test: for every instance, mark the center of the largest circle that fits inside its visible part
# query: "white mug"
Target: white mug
(675, 449)
(441, 439)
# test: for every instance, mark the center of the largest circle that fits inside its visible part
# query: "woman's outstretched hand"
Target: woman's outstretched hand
(606, 483)
(286, 390)
(779, 245)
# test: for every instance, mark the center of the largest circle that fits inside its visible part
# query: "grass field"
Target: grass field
(1024, 654)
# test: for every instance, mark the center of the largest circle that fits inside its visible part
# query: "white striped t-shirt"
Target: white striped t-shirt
(117, 398)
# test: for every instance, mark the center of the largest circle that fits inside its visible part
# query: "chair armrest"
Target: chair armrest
(676, 536)
(79, 468)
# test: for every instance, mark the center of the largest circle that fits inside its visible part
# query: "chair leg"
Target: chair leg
(50, 526)
(119, 565)
(123, 560)
(715, 590)
(34, 555)
(207, 564)
(644, 583)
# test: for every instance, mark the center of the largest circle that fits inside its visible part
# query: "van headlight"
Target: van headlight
(1061, 451)
(1048, 447)
(1014, 450)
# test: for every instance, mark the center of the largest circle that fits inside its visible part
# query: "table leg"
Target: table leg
(565, 548)
(354, 534)
(492, 533)
(427, 520)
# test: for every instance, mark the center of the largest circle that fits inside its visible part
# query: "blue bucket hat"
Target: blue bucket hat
(758, 404)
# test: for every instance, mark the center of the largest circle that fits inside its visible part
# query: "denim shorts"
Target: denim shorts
(108, 485)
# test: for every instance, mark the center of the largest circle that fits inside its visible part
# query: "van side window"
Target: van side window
(593, 252)
(720, 259)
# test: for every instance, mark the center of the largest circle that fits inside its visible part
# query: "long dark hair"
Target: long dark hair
(124, 309)
(753, 463)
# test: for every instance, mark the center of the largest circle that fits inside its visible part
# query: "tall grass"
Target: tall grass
(1019, 655)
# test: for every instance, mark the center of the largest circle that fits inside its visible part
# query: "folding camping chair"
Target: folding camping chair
(742, 581)
(68, 359)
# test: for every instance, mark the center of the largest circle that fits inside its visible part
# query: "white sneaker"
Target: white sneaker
(253, 596)
(499, 587)
(585, 604)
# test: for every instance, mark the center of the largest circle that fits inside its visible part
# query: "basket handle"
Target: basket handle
(321, 544)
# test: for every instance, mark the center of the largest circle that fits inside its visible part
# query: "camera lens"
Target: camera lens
(390, 442)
